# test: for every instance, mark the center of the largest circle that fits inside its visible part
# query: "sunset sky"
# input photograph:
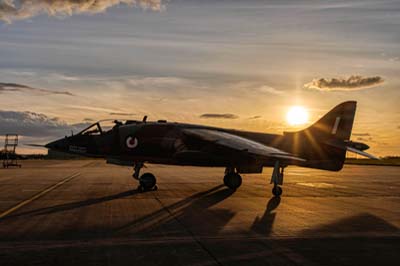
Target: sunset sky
(236, 64)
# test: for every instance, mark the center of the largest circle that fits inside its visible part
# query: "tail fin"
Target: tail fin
(336, 124)
(315, 142)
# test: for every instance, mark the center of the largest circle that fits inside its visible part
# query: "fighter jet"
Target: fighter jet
(323, 145)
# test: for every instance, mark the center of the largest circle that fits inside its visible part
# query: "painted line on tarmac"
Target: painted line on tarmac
(38, 195)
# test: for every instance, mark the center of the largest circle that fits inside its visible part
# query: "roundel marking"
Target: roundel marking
(131, 142)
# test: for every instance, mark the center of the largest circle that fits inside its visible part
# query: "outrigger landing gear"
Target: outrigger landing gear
(277, 179)
(232, 179)
(147, 181)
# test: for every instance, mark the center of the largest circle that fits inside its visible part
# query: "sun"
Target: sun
(297, 115)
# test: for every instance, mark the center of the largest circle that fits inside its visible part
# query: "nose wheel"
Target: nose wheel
(147, 181)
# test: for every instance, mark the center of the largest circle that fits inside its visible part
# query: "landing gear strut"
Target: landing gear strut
(232, 179)
(147, 181)
(277, 179)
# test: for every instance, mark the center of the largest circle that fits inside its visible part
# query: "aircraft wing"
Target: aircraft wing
(239, 144)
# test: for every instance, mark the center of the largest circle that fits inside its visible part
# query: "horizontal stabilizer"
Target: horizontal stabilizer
(363, 153)
(351, 147)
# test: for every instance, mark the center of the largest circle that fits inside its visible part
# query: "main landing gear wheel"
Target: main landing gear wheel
(277, 191)
(232, 180)
(147, 182)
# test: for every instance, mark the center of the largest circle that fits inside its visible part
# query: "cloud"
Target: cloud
(122, 114)
(365, 139)
(219, 116)
(33, 124)
(91, 108)
(157, 81)
(361, 134)
(255, 117)
(88, 119)
(271, 90)
(23, 9)
(62, 77)
(352, 83)
(14, 87)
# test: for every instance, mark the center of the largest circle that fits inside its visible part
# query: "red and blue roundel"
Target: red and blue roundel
(131, 142)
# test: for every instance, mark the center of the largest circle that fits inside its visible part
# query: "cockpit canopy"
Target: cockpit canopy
(94, 129)
(102, 126)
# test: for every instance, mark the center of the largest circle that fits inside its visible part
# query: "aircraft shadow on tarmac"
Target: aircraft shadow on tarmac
(73, 205)
(360, 223)
(182, 213)
(195, 213)
(189, 211)
(194, 210)
(264, 224)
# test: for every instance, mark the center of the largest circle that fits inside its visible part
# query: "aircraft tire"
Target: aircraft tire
(147, 181)
(233, 181)
(277, 191)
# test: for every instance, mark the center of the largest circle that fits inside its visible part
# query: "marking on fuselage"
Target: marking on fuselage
(38, 195)
(131, 142)
(77, 149)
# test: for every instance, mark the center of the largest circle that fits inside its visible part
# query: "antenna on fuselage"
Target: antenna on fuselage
(144, 119)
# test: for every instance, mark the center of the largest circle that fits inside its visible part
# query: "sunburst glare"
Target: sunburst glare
(297, 115)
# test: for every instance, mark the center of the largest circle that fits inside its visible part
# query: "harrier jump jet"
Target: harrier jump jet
(323, 145)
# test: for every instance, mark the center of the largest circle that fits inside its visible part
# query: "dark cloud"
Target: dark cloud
(361, 134)
(255, 117)
(352, 83)
(14, 87)
(219, 116)
(365, 139)
(16, 10)
(121, 114)
(35, 125)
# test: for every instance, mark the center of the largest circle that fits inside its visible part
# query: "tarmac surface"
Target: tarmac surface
(89, 213)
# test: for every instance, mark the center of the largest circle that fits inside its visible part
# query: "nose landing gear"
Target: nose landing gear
(147, 181)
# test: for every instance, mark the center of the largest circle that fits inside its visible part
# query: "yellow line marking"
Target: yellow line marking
(35, 197)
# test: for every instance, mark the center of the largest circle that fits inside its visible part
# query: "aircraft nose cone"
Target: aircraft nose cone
(49, 145)
(59, 144)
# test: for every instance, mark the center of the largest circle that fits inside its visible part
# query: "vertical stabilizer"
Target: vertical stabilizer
(336, 124)
(315, 142)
